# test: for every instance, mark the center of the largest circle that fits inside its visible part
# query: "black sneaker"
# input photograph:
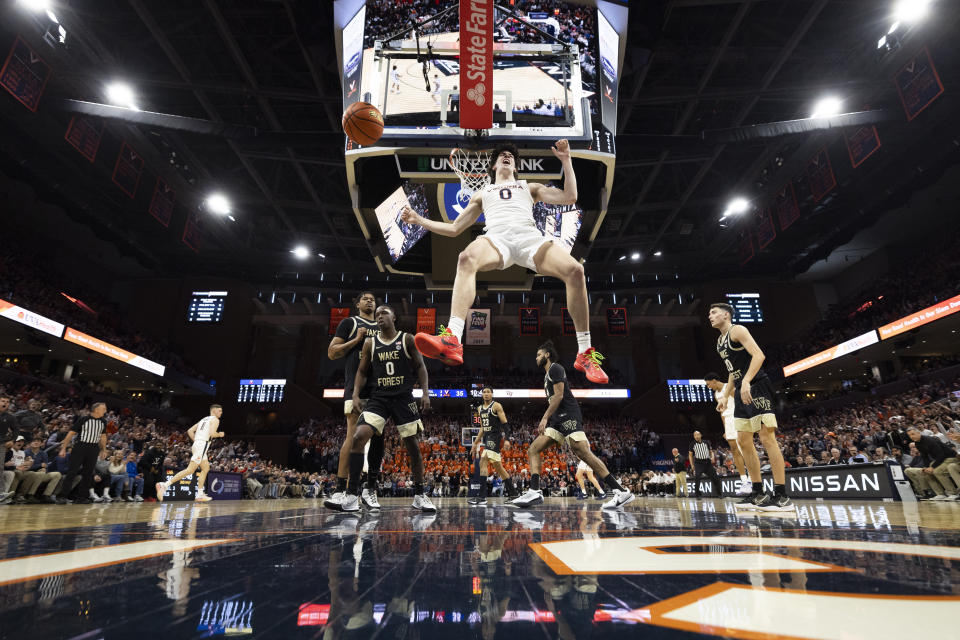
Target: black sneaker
(778, 503)
(748, 501)
(763, 500)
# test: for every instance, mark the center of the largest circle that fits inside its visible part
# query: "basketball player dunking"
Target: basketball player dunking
(752, 410)
(493, 427)
(511, 237)
(201, 434)
(346, 344)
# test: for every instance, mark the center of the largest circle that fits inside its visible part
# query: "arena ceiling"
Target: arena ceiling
(690, 65)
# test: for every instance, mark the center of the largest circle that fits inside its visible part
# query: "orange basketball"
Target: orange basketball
(363, 123)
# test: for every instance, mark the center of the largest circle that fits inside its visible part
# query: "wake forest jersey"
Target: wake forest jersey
(347, 331)
(391, 368)
(736, 358)
(490, 426)
(568, 406)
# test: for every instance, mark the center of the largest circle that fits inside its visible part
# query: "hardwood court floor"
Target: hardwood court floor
(658, 568)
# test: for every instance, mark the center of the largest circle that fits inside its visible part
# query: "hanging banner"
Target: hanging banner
(918, 84)
(617, 321)
(25, 74)
(820, 175)
(785, 203)
(568, 328)
(426, 320)
(476, 64)
(530, 321)
(861, 144)
(127, 170)
(337, 315)
(191, 233)
(478, 327)
(161, 204)
(766, 232)
(84, 135)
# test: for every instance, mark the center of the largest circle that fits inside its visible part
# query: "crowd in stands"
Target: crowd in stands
(28, 283)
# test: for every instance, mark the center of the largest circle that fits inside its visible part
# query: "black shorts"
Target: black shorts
(402, 410)
(565, 427)
(750, 417)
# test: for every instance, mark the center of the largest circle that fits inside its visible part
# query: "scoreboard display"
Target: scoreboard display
(206, 306)
(746, 307)
(261, 390)
(689, 391)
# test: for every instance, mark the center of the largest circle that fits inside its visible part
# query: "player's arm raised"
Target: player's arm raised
(450, 229)
(421, 370)
(552, 195)
(742, 335)
(360, 380)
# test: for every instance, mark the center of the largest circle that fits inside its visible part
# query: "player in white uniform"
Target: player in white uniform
(719, 388)
(435, 94)
(201, 434)
(584, 471)
(511, 237)
(394, 80)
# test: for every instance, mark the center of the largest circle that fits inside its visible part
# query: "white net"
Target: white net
(471, 167)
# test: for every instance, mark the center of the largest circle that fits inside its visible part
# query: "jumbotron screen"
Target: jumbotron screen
(261, 390)
(689, 391)
(400, 236)
(746, 307)
(206, 306)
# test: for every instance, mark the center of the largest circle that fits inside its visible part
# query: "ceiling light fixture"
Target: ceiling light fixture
(301, 252)
(121, 95)
(827, 107)
(219, 204)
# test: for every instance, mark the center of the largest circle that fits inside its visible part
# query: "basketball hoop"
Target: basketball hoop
(471, 167)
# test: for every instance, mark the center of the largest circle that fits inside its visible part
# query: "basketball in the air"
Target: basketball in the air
(363, 123)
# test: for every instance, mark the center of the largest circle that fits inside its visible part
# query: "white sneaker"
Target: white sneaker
(161, 489)
(422, 502)
(369, 499)
(619, 499)
(106, 497)
(202, 497)
(350, 503)
(529, 497)
(96, 498)
(940, 498)
(138, 498)
(127, 499)
(335, 501)
(746, 487)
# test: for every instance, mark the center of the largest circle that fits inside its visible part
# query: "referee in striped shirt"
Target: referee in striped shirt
(702, 463)
(91, 443)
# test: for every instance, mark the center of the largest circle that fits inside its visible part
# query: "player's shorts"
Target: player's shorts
(751, 417)
(517, 246)
(402, 410)
(583, 466)
(729, 428)
(348, 401)
(566, 428)
(491, 446)
(199, 450)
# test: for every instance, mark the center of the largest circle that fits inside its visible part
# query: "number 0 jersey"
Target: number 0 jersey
(736, 358)
(391, 367)
(508, 205)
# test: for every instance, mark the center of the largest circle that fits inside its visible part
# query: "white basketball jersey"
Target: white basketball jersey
(508, 205)
(728, 412)
(202, 433)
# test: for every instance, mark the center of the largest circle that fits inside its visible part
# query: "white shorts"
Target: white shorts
(729, 430)
(583, 466)
(517, 246)
(199, 450)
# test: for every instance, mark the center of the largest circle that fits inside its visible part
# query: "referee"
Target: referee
(91, 443)
(702, 463)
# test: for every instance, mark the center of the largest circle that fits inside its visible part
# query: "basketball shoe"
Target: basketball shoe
(588, 362)
(444, 346)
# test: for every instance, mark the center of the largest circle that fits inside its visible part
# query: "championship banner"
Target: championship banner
(617, 321)
(530, 321)
(566, 321)
(337, 315)
(30, 319)
(820, 175)
(866, 481)
(84, 135)
(478, 326)
(127, 170)
(920, 318)
(191, 232)
(426, 320)
(766, 232)
(861, 144)
(785, 203)
(917, 83)
(476, 64)
(161, 204)
(25, 74)
(105, 348)
(832, 353)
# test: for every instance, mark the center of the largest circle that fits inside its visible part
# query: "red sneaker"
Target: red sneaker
(445, 346)
(589, 362)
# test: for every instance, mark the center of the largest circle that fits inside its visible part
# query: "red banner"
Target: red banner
(126, 173)
(426, 320)
(617, 324)
(25, 74)
(861, 144)
(84, 135)
(786, 205)
(337, 315)
(530, 321)
(567, 322)
(766, 232)
(476, 64)
(918, 84)
(161, 205)
(820, 174)
(746, 248)
(191, 233)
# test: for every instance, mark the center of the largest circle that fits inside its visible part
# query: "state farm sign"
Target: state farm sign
(476, 64)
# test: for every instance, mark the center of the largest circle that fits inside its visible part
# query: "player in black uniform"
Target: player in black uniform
(389, 361)
(753, 408)
(493, 429)
(346, 344)
(563, 422)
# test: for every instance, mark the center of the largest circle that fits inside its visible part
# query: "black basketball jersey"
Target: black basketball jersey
(391, 367)
(490, 425)
(568, 406)
(736, 358)
(346, 331)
